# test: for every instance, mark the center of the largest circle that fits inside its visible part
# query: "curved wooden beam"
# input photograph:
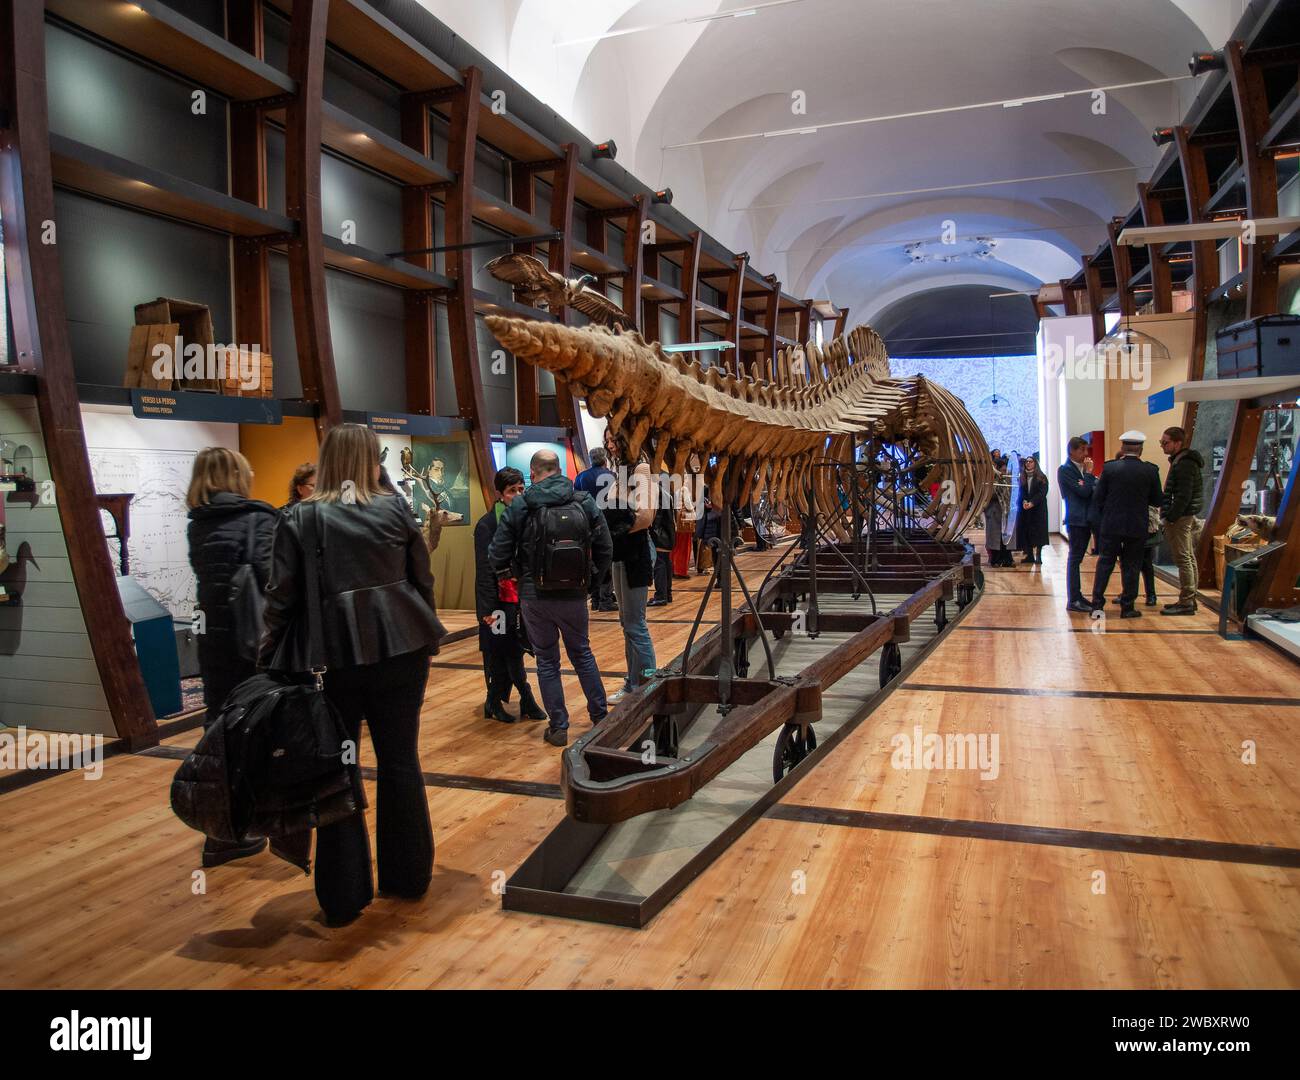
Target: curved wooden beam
(1260, 168)
(40, 328)
(302, 154)
(459, 229)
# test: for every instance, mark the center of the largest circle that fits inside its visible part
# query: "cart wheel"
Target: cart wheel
(665, 736)
(791, 748)
(740, 657)
(891, 662)
(941, 614)
(964, 595)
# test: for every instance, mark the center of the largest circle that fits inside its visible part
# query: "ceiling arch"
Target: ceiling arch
(828, 212)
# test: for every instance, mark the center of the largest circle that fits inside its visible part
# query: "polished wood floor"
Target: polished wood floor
(1124, 842)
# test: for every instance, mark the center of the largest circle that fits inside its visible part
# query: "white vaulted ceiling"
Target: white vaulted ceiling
(830, 212)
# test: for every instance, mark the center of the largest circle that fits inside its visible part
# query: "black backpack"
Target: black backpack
(561, 547)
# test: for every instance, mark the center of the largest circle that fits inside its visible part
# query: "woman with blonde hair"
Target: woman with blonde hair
(227, 531)
(378, 627)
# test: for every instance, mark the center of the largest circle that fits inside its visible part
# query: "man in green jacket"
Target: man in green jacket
(1184, 499)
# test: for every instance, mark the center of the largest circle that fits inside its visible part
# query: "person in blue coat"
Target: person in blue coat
(1077, 484)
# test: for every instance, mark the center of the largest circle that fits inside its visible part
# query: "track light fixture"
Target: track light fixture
(665, 196)
(1162, 136)
(605, 150)
(1202, 62)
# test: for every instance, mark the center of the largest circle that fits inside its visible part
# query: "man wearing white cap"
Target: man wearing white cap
(1121, 504)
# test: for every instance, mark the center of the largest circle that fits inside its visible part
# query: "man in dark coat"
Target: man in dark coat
(501, 639)
(553, 614)
(1184, 498)
(1077, 484)
(1121, 504)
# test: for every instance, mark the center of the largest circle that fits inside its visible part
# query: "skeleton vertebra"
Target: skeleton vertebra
(767, 434)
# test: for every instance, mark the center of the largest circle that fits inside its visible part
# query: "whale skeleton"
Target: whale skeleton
(767, 433)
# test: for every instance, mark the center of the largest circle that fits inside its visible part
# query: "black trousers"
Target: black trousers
(1128, 550)
(388, 696)
(1080, 537)
(1149, 569)
(602, 589)
(664, 576)
(503, 669)
(221, 670)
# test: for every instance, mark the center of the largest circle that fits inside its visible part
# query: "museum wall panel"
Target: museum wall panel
(48, 675)
(152, 460)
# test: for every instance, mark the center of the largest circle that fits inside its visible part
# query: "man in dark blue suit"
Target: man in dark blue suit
(1076, 482)
(1121, 504)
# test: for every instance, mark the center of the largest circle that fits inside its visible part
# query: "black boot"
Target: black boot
(499, 713)
(528, 707)
(219, 852)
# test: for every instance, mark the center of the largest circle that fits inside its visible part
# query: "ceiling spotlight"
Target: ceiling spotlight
(1202, 62)
(665, 196)
(605, 150)
(1162, 136)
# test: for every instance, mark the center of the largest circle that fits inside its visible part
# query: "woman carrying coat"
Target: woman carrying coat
(227, 530)
(629, 516)
(378, 627)
(1031, 525)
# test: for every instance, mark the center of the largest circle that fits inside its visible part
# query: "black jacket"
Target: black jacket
(486, 596)
(1125, 490)
(512, 543)
(376, 586)
(273, 764)
(632, 549)
(1184, 489)
(1031, 524)
(219, 536)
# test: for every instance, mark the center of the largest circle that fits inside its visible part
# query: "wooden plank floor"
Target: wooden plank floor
(1123, 842)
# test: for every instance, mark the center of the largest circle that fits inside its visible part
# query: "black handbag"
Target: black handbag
(247, 601)
(278, 760)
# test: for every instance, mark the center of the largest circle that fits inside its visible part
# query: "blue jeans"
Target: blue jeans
(637, 646)
(548, 621)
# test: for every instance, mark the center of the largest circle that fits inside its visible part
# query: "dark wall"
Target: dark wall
(367, 333)
(105, 100)
(113, 259)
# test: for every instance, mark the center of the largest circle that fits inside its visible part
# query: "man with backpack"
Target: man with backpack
(553, 539)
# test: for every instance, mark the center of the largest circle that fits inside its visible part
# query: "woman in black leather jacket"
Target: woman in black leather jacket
(378, 625)
(227, 530)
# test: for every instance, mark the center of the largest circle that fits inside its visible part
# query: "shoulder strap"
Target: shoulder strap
(311, 571)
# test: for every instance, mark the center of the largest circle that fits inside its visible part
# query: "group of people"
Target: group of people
(1129, 513)
(534, 585)
(376, 622)
(1031, 534)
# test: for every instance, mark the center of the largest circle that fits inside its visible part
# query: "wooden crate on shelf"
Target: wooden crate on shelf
(140, 358)
(191, 321)
(239, 360)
